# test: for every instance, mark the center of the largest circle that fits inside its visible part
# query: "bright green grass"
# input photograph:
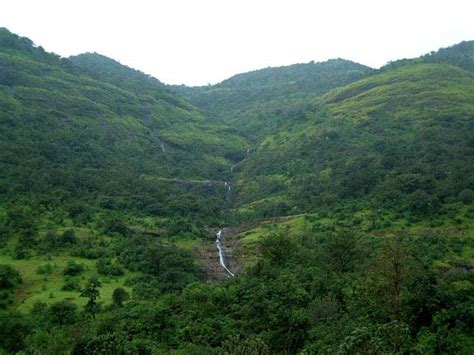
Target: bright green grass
(457, 228)
(47, 288)
(294, 226)
(189, 243)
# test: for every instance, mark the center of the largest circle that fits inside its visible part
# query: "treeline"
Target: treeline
(318, 293)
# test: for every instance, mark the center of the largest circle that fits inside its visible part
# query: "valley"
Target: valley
(316, 208)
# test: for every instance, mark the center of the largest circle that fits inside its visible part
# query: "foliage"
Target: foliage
(388, 140)
(91, 291)
(86, 134)
(9, 280)
(120, 296)
(257, 101)
(63, 312)
(73, 268)
(105, 170)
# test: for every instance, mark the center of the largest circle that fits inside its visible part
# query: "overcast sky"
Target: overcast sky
(197, 42)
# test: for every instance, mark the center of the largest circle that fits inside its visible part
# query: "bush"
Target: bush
(9, 277)
(45, 269)
(68, 237)
(466, 196)
(63, 312)
(73, 269)
(116, 226)
(71, 285)
(106, 267)
(21, 253)
(120, 296)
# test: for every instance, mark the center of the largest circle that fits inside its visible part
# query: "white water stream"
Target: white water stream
(221, 253)
(222, 258)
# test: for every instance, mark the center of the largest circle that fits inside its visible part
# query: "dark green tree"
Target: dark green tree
(466, 196)
(120, 296)
(63, 312)
(9, 277)
(91, 291)
(73, 269)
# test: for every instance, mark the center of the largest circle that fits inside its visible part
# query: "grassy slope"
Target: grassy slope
(255, 102)
(47, 288)
(99, 125)
(413, 120)
(90, 132)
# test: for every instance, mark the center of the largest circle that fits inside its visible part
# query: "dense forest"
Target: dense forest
(345, 196)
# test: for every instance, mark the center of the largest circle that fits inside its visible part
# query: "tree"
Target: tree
(9, 277)
(421, 203)
(73, 269)
(395, 269)
(466, 196)
(120, 296)
(63, 312)
(277, 248)
(393, 276)
(91, 291)
(68, 237)
(9, 280)
(249, 346)
(14, 328)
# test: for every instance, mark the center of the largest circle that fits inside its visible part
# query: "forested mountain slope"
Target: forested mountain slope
(90, 129)
(347, 193)
(404, 137)
(255, 102)
(460, 55)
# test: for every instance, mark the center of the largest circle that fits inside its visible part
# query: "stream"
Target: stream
(222, 258)
(227, 198)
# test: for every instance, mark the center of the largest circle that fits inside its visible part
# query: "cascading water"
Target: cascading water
(222, 259)
(227, 190)
(227, 196)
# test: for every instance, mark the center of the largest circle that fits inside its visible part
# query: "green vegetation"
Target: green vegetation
(256, 102)
(75, 142)
(394, 140)
(352, 194)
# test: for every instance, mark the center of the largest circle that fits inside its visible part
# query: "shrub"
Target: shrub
(68, 237)
(73, 269)
(45, 269)
(466, 196)
(9, 277)
(106, 267)
(71, 285)
(63, 312)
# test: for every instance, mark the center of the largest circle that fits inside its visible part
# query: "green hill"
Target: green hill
(90, 129)
(255, 102)
(345, 197)
(398, 136)
(460, 55)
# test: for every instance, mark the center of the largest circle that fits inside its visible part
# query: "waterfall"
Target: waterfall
(222, 259)
(227, 191)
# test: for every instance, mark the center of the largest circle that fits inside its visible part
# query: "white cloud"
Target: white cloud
(196, 42)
